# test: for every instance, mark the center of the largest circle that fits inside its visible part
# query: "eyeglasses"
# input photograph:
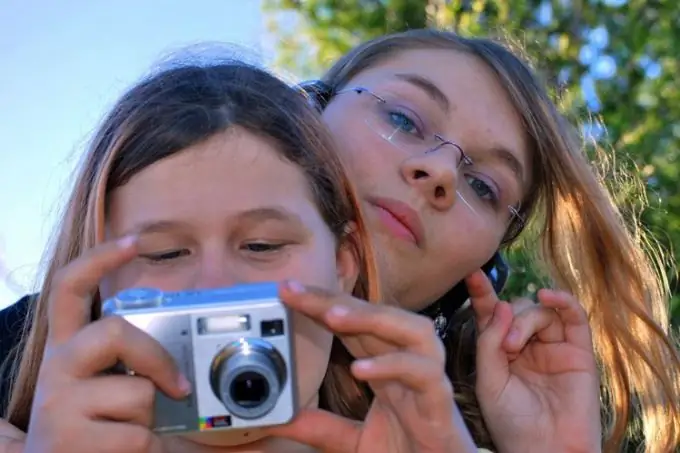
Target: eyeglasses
(399, 126)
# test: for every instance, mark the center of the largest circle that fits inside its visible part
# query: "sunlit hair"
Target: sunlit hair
(610, 265)
(166, 113)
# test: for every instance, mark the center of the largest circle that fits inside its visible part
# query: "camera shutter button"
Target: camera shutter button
(139, 298)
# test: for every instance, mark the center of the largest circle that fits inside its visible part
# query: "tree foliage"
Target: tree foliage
(613, 65)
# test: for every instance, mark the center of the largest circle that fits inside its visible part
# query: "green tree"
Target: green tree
(612, 62)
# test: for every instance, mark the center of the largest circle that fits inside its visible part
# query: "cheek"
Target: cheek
(316, 265)
(313, 342)
(364, 154)
(312, 352)
(361, 149)
(467, 245)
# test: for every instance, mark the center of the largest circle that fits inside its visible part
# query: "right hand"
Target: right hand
(76, 408)
(538, 388)
(401, 358)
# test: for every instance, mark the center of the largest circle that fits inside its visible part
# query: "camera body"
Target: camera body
(234, 344)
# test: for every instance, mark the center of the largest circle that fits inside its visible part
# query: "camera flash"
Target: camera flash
(223, 324)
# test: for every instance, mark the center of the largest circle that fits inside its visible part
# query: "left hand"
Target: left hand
(402, 359)
(11, 438)
(537, 378)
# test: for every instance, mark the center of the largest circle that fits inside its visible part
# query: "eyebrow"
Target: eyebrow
(270, 213)
(255, 215)
(429, 87)
(508, 158)
(158, 226)
(499, 153)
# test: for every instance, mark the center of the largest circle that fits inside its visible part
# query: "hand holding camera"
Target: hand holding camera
(400, 356)
(77, 408)
(220, 359)
(235, 346)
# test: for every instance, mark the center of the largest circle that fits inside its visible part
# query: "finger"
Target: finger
(117, 398)
(346, 315)
(69, 302)
(394, 325)
(483, 298)
(492, 360)
(412, 370)
(542, 322)
(418, 373)
(114, 437)
(296, 296)
(572, 314)
(12, 439)
(314, 302)
(520, 304)
(11, 445)
(422, 376)
(103, 344)
(323, 431)
(573, 311)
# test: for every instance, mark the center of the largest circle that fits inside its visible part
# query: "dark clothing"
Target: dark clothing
(11, 327)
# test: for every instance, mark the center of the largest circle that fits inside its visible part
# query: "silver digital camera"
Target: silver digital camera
(235, 345)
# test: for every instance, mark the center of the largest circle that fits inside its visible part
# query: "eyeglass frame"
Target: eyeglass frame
(515, 212)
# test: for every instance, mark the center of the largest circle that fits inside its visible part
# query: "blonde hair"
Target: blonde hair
(615, 271)
(162, 116)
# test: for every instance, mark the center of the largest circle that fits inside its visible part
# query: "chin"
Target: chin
(230, 438)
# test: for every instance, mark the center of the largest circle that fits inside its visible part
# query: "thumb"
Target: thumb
(322, 430)
(493, 369)
(12, 445)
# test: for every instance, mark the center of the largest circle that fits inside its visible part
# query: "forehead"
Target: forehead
(230, 173)
(478, 107)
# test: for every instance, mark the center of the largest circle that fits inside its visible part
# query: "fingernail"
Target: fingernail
(512, 335)
(184, 384)
(338, 311)
(363, 364)
(295, 286)
(127, 241)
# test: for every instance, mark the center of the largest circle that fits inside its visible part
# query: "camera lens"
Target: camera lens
(248, 377)
(249, 389)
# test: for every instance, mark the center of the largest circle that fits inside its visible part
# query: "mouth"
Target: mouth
(400, 219)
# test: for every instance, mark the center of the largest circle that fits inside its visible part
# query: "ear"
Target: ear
(347, 258)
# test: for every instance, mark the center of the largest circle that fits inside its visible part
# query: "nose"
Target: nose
(215, 270)
(435, 176)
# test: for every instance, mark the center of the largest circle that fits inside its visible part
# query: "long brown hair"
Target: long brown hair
(611, 266)
(165, 114)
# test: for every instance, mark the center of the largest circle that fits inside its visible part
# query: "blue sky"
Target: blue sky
(63, 64)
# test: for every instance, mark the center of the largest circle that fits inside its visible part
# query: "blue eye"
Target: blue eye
(481, 188)
(402, 122)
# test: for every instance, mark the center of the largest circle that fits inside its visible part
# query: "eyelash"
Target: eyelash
(492, 197)
(251, 247)
(270, 247)
(392, 114)
(165, 256)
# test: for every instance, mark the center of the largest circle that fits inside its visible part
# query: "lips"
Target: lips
(400, 219)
